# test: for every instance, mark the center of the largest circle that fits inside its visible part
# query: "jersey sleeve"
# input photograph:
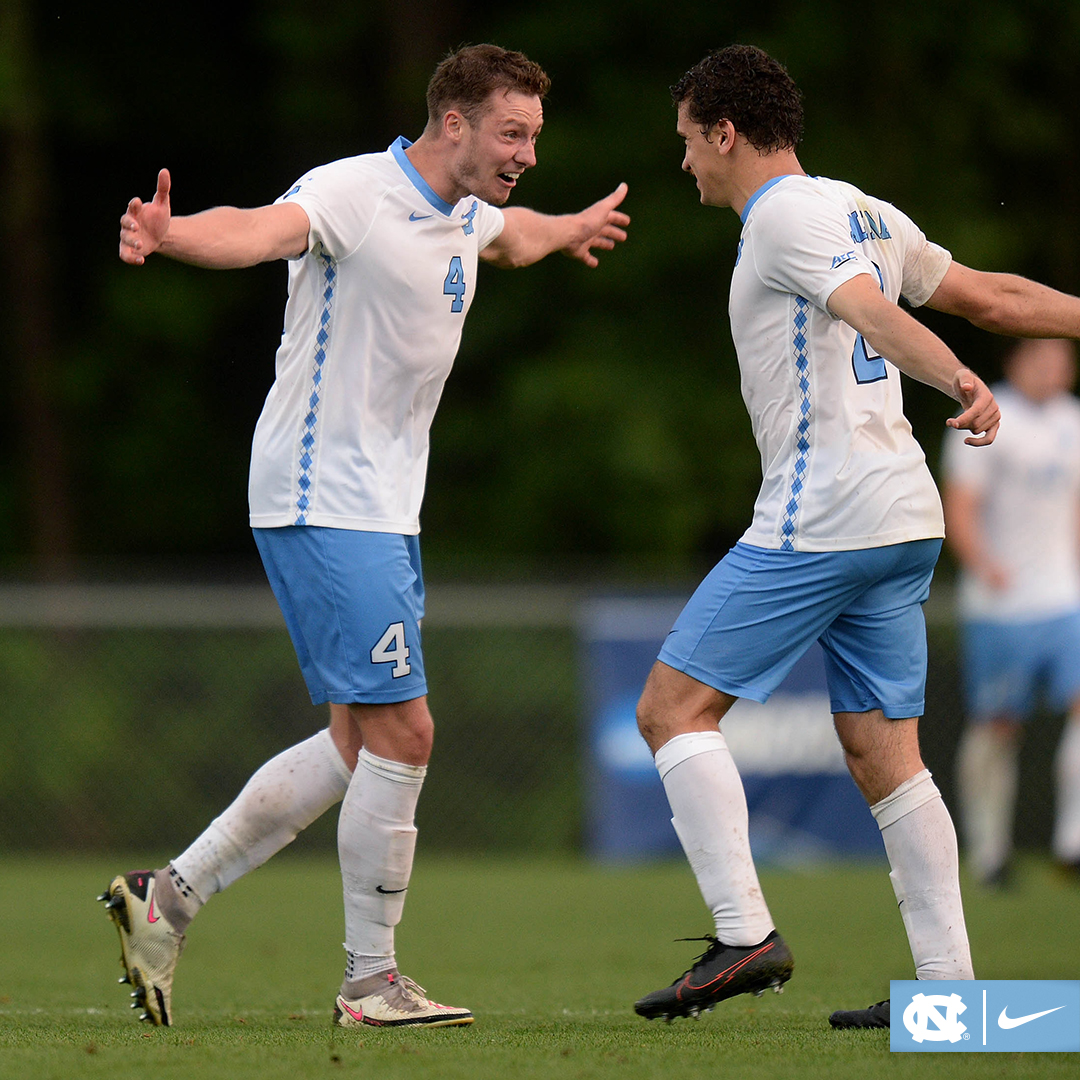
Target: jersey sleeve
(803, 246)
(925, 263)
(339, 217)
(489, 224)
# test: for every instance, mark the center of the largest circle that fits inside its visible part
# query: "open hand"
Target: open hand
(144, 225)
(601, 226)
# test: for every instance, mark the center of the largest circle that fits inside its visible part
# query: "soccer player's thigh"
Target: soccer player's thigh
(875, 649)
(752, 618)
(353, 602)
(1001, 669)
(1064, 662)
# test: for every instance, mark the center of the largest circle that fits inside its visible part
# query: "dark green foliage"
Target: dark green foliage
(183, 718)
(592, 413)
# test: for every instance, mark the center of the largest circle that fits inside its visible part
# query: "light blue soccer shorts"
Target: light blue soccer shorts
(352, 602)
(1008, 666)
(759, 610)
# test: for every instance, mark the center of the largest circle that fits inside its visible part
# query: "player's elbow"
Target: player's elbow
(994, 302)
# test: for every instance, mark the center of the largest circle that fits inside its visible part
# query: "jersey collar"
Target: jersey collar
(761, 191)
(397, 148)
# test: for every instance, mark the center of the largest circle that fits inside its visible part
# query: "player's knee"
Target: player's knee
(653, 723)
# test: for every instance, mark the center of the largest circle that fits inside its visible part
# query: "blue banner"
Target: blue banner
(803, 804)
(985, 1016)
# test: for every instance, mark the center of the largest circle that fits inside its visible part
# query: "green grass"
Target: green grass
(548, 954)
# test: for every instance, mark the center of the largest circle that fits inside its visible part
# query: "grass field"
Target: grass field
(548, 954)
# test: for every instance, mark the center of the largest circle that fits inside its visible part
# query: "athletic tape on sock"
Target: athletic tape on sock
(683, 747)
(396, 771)
(909, 796)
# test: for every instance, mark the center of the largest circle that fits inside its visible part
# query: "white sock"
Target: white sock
(280, 800)
(921, 844)
(376, 840)
(711, 820)
(1067, 818)
(987, 774)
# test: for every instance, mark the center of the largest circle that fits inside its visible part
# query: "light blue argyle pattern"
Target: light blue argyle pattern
(802, 443)
(311, 421)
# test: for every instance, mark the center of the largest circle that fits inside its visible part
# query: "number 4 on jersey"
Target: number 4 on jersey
(391, 649)
(454, 284)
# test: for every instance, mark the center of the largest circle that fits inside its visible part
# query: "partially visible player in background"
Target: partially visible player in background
(847, 525)
(382, 252)
(1012, 518)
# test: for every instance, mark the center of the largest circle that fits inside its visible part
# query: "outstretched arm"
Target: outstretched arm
(527, 236)
(917, 352)
(1007, 304)
(222, 238)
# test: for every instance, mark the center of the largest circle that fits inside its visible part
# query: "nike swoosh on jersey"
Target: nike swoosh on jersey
(414, 216)
(1007, 1022)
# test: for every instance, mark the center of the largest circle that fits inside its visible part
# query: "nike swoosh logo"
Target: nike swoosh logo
(419, 217)
(1007, 1022)
(727, 974)
(352, 1012)
(151, 917)
(392, 892)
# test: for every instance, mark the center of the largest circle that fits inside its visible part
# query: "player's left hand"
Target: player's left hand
(600, 226)
(981, 414)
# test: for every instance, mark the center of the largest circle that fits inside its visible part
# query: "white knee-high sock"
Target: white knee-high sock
(1067, 768)
(987, 774)
(280, 800)
(376, 840)
(920, 842)
(710, 817)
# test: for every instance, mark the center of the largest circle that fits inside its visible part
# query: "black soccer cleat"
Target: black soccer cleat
(722, 971)
(876, 1016)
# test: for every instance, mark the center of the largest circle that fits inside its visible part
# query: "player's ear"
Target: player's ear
(453, 125)
(723, 136)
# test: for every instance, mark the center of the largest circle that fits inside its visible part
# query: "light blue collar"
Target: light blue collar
(397, 148)
(761, 191)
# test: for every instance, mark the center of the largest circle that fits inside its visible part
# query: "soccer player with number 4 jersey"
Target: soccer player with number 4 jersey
(846, 528)
(382, 252)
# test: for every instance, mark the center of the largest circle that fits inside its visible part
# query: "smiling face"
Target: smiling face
(498, 147)
(705, 157)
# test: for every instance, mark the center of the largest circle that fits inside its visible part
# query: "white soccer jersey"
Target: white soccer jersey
(841, 469)
(1028, 484)
(372, 326)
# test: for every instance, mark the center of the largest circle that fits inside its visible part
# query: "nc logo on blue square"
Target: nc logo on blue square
(985, 1016)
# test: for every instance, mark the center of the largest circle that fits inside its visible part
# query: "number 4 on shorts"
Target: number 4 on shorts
(391, 649)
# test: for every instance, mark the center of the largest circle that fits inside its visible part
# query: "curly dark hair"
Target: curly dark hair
(465, 79)
(745, 85)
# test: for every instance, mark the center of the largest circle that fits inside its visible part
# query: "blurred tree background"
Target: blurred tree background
(593, 418)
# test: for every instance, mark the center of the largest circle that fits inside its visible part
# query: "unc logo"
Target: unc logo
(922, 1010)
(467, 220)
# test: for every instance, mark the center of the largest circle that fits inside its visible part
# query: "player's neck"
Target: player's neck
(756, 169)
(430, 160)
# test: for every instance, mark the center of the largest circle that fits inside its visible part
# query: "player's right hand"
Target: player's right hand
(981, 414)
(144, 225)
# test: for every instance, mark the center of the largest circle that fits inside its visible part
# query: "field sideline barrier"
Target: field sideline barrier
(191, 686)
(94, 606)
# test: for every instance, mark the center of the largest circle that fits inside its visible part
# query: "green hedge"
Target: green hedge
(128, 739)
